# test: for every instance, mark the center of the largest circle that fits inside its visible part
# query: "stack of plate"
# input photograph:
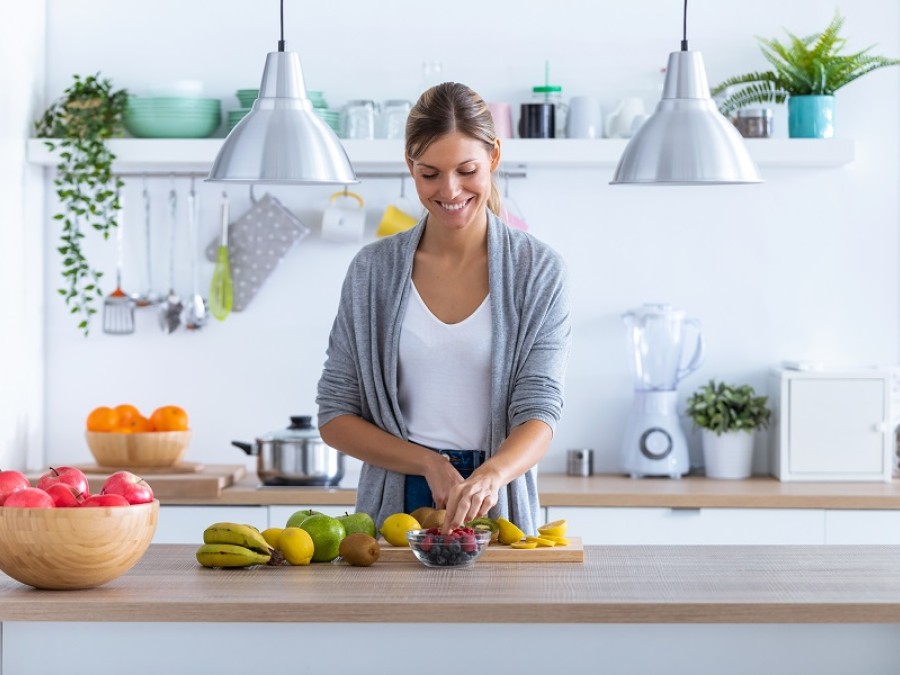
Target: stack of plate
(172, 116)
(246, 97)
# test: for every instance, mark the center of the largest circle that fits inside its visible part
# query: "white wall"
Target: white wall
(804, 266)
(21, 239)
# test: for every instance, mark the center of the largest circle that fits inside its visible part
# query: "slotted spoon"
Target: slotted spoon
(118, 307)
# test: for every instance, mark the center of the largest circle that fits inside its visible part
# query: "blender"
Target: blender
(654, 443)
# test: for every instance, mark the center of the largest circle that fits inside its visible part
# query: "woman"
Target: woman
(451, 339)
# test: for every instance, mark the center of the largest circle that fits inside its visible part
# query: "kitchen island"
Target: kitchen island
(626, 609)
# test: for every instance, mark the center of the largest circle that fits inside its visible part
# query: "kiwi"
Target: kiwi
(421, 513)
(485, 524)
(434, 519)
(359, 549)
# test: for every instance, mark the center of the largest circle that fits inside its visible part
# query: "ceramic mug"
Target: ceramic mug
(538, 120)
(585, 118)
(396, 218)
(626, 118)
(502, 114)
(344, 218)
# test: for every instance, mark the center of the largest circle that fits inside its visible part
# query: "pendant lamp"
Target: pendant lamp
(282, 140)
(686, 141)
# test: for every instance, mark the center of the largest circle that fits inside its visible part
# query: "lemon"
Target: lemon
(555, 529)
(509, 532)
(271, 536)
(540, 541)
(523, 544)
(395, 527)
(559, 541)
(296, 545)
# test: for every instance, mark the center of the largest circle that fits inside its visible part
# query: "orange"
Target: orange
(126, 412)
(170, 418)
(102, 419)
(135, 425)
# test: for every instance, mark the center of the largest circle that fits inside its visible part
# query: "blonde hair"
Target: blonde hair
(446, 108)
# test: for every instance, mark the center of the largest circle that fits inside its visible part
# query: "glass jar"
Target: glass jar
(358, 119)
(754, 122)
(392, 119)
(553, 94)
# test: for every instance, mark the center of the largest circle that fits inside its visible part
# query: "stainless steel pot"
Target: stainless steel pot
(295, 456)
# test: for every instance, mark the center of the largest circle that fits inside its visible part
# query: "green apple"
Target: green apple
(359, 522)
(327, 534)
(300, 516)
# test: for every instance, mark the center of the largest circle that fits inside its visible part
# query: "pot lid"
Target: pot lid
(300, 429)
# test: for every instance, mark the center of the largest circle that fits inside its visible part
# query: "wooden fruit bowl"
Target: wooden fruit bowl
(75, 547)
(148, 449)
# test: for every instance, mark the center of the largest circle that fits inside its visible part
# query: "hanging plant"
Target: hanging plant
(80, 122)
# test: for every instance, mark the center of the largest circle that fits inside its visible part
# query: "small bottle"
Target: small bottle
(550, 93)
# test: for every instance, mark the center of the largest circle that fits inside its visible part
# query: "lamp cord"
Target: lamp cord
(281, 41)
(684, 41)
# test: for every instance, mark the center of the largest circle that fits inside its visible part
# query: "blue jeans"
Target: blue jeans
(417, 493)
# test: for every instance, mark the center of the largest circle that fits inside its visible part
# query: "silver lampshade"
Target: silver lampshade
(282, 140)
(686, 141)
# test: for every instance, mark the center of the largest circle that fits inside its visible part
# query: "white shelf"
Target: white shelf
(164, 155)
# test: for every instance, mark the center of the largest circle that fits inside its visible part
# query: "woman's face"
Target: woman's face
(453, 179)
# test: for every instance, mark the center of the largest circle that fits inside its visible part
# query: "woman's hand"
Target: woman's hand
(442, 476)
(470, 499)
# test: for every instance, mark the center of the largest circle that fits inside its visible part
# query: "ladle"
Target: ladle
(171, 306)
(196, 314)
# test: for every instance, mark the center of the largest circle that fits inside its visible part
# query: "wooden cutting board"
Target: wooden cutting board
(179, 467)
(573, 553)
(209, 481)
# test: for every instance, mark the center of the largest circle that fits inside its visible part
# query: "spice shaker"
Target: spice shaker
(580, 462)
(754, 122)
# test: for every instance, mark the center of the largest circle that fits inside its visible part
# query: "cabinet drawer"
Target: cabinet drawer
(600, 525)
(185, 524)
(862, 527)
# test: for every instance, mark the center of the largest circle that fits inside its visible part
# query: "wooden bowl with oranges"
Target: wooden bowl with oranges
(122, 437)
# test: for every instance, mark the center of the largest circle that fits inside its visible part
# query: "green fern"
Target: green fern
(801, 66)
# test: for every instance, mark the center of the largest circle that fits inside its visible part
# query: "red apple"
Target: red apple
(134, 488)
(64, 496)
(11, 481)
(68, 475)
(29, 498)
(104, 500)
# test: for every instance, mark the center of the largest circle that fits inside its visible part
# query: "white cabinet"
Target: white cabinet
(831, 425)
(603, 525)
(185, 524)
(862, 527)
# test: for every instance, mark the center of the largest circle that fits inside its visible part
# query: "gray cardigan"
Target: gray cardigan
(531, 342)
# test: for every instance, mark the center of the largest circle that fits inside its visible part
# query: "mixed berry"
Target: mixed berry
(460, 547)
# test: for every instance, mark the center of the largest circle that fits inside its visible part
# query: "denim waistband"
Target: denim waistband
(463, 458)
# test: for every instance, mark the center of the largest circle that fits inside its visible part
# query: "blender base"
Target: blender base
(654, 443)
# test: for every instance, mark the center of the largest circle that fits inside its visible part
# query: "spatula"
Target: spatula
(220, 293)
(118, 307)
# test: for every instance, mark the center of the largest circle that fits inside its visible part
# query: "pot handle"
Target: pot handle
(246, 447)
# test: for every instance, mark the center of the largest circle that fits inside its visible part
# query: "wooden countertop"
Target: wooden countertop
(616, 584)
(615, 490)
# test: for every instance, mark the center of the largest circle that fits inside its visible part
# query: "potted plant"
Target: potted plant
(728, 416)
(806, 72)
(80, 122)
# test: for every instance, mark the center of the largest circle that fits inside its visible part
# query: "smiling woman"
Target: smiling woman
(451, 339)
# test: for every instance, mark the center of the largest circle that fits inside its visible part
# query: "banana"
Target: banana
(229, 555)
(237, 534)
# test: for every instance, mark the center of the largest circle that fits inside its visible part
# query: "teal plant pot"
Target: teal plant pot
(811, 116)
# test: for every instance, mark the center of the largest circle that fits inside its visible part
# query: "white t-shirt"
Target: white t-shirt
(444, 374)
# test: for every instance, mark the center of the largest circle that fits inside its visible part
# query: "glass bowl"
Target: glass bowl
(460, 548)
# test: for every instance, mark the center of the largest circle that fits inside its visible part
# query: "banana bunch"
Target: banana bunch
(233, 545)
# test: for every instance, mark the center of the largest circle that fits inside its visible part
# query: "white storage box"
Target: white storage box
(830, 425)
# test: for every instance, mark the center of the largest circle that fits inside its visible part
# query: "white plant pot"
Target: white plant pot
(728, 456)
